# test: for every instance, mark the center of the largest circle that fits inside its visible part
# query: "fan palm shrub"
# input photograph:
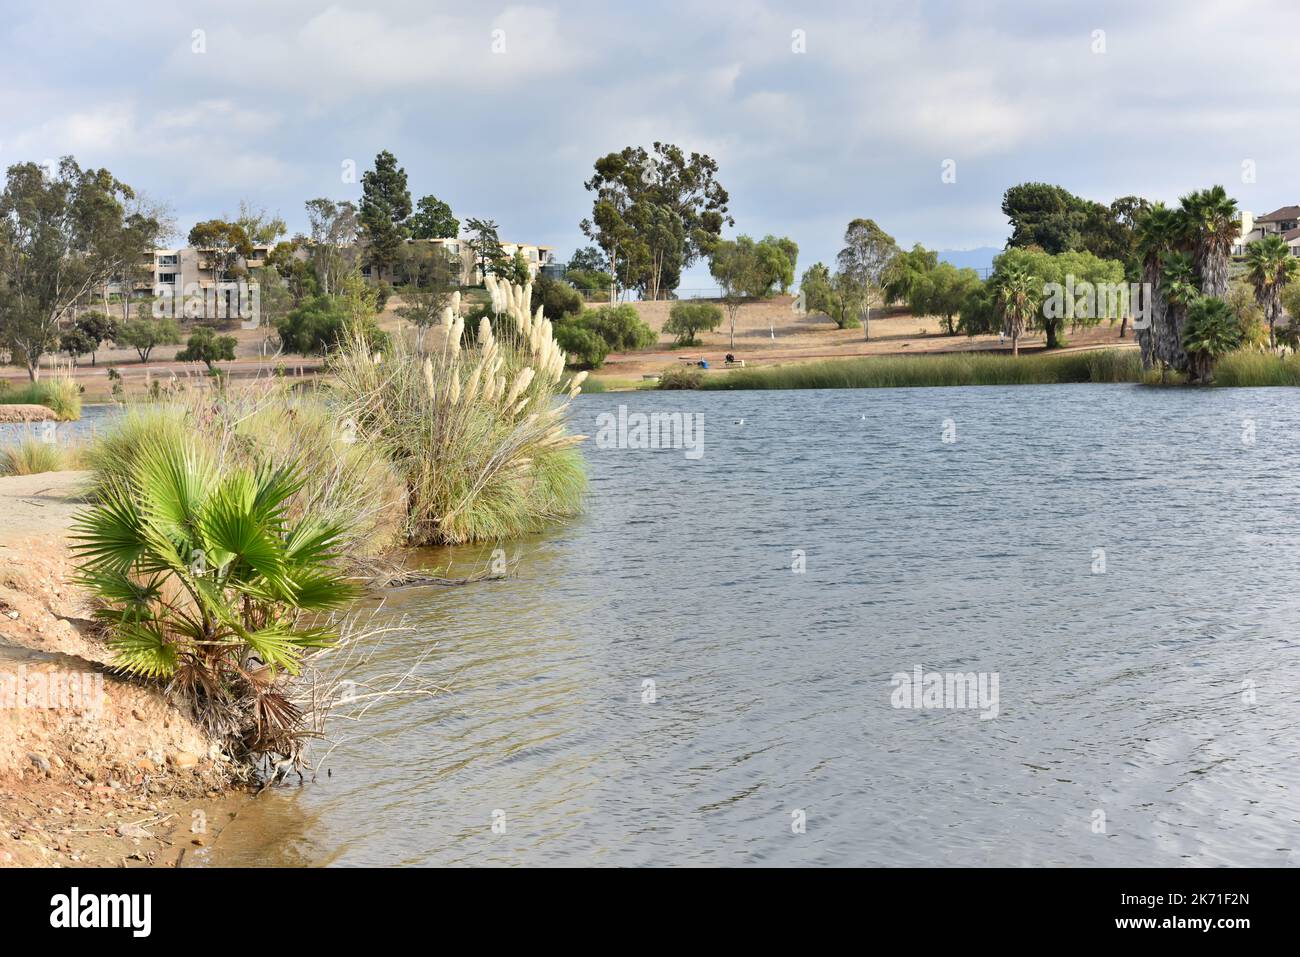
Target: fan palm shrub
(475, 423)
(206, 584)
(1211, 331)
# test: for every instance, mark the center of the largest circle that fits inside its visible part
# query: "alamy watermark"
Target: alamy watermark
(1080, 299)
(653, 430)
(223, 300)
(956, 690)
(52, 690)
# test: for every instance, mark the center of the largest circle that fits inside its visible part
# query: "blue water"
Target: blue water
(1146, 708)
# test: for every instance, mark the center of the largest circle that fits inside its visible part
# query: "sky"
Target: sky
(816, 113)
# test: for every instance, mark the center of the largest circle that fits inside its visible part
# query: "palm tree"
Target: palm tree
(1017, 300)
(1213, 226)
(1212, 331)
(1178, 285)
(1160, 230)
(205, 583)
(1269, 267)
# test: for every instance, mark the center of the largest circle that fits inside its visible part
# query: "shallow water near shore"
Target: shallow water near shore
(1145, 716)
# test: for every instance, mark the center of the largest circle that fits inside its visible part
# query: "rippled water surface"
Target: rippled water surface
(1161, 694)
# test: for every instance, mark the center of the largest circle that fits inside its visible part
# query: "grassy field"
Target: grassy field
(1102, 365)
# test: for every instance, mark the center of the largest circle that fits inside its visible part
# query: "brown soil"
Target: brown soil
(10, 414)
(93, 770)
(773, 333)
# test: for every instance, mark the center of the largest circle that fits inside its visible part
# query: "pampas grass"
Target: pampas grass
(473, 424)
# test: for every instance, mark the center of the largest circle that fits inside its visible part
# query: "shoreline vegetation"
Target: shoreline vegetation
(57, 393)
(1243, 369)
(226, 531)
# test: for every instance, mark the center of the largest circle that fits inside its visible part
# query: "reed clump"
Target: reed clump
(475, 421)
(951, 369)
(32, 455)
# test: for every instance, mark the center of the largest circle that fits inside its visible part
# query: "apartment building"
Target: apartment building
(1284, 222)
(189, 276)
(459, 250)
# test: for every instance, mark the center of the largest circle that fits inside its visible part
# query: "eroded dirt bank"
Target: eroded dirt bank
(93, 770)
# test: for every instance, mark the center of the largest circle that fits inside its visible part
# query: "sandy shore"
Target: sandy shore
(94, 771)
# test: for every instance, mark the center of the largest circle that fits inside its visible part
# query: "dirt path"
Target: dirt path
(93, 770)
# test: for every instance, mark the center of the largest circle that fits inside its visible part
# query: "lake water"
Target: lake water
(1147, 693)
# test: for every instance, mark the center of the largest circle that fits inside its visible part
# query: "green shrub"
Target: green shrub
(688, 319)
(321, 324)
(681, 377)
(346, 481)
(583, 347)
(556, 299)
(621, 327)
(207, 347)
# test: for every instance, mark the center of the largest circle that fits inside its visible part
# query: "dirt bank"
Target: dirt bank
(16, 414)
(93, 770)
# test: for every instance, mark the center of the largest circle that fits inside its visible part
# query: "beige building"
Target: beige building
(1284, 222)
(459, 250)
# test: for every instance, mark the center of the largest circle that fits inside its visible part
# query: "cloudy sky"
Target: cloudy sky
(1167, 97)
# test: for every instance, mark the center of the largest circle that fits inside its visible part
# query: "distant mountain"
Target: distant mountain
(980, 258)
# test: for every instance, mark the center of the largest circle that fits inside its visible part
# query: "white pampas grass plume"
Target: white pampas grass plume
(428, 377)
(521, 382)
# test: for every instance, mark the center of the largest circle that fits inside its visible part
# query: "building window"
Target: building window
(167, 277)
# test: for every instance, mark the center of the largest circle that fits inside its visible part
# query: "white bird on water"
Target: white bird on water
(740, 421)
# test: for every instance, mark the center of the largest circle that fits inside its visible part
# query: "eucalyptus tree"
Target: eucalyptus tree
(334, 230)
(63, 235)
(864, 261)
(655, 213)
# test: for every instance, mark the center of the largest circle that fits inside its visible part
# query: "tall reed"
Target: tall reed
(950, 369)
